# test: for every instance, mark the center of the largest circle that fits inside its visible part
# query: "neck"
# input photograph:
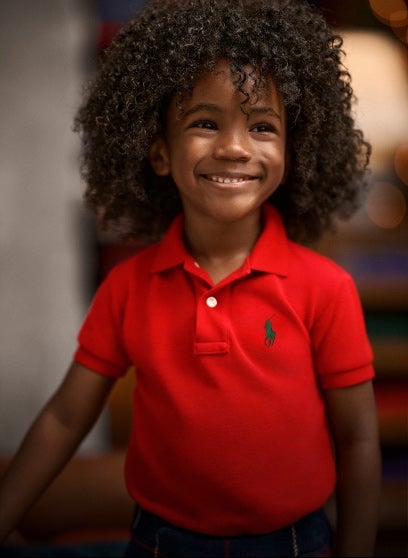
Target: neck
(221, 248)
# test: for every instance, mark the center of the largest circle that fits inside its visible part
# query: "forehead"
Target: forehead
(247, 87)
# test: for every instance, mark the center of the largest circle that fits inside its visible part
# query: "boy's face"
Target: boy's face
(225, 163)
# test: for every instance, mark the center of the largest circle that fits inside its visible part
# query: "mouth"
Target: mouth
(230, 179)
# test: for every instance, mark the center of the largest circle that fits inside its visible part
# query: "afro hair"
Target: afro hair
(162, 51)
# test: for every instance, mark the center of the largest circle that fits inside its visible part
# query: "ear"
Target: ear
(159, 157)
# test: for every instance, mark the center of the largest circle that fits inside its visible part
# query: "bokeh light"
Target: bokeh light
(378, 65)
(386, 205)
(393, 13)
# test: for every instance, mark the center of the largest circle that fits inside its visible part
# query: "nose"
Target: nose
(232, 146)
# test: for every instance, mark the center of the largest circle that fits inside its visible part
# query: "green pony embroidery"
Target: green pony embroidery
(270, 334)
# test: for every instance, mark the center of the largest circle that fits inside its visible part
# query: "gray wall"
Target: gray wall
(44, 267)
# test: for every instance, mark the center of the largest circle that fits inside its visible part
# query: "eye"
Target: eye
(263, 128)
(204, 124)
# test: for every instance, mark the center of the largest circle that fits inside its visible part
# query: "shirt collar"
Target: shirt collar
(171, 249)
(270, 253)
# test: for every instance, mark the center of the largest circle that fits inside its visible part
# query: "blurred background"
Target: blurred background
(52, 256)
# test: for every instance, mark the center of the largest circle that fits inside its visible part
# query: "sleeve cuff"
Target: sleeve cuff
(96, 364)
(347, 378)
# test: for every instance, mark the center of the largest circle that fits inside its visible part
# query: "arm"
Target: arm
(51, 441)
(353, 419)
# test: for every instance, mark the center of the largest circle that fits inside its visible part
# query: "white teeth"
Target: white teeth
(226, 180)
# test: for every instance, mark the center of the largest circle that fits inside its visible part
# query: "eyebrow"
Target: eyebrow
(213, 107)
(200, 107)
(265, 110)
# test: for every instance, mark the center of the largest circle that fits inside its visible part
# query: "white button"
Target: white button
(211, 301)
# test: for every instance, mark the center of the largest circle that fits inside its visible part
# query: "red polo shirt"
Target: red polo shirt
(229, 431)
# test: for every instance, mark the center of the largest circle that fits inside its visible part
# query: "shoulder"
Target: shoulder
(318, 281)
(140, 259)
(139, 262)
(314, 266)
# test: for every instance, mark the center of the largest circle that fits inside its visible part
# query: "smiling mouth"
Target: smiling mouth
(228, 179)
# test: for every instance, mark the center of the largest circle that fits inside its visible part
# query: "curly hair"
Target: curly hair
(163, 50)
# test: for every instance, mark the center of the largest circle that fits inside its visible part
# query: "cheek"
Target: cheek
(273, 155)
(185, 155)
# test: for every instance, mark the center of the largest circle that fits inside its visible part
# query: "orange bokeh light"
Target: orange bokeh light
(393, 13)
(386, 205)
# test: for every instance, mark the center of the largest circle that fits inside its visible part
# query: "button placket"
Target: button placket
(211, 328)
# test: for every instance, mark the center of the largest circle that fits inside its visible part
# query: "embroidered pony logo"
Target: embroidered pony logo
(270, 334)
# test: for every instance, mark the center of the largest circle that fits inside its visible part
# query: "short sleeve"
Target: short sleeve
(100, 339)
(342, 351)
